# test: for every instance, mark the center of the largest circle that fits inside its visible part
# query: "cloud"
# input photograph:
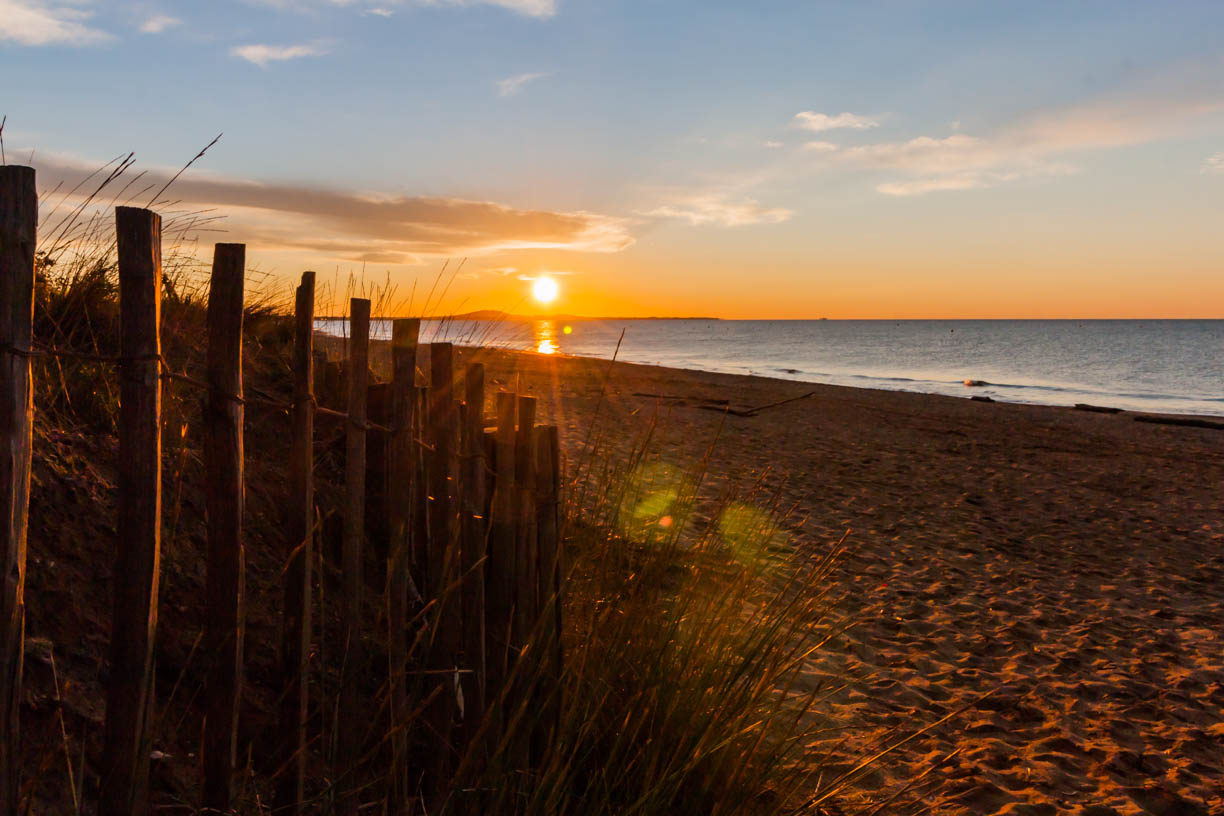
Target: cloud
(820, 147)
(1214, 164)
(31, 22)
(959, 162)
(530, 8)
(261, 55)
(817, 122)
(362, 225)
(541, 9)
(511, 86)
(159, 23)
(926, 154)
(1041, 145)
(720, 209)
(772, 144)
(921, 186)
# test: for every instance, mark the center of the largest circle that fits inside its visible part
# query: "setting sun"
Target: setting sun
(545, 290)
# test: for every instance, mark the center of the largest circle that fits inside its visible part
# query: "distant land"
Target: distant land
(494, 315)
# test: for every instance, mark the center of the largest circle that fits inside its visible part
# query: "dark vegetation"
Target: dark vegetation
(684, 641)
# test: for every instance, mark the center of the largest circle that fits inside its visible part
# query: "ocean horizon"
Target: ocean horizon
(1161, 366)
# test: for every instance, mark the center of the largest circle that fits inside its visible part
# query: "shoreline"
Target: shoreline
(969, 396)
(332, 340)
(1120, 403)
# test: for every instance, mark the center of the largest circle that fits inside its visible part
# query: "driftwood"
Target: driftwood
(1096, 409)
(751, 412)
(682, 399)
(1185, 423)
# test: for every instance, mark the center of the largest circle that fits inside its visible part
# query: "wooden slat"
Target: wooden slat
(401, 474)
(129, 701)
(18, 230)
(499, 569)
(443, 553)
(526, 604)
(352, 724)
(296, 615)
(419, 539)
(526, 600)
(548, 581)
(223, 497)
(474, 530)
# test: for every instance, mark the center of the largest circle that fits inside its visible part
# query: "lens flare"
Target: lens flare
(651, 501)
(750, 533)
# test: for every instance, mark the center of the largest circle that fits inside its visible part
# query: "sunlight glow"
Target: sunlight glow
(545, 290)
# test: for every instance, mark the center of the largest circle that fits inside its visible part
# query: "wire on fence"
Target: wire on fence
(167, 373)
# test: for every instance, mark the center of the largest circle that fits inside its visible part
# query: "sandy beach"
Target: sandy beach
(1070, 563)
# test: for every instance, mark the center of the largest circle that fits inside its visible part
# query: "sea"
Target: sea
(1164, 366)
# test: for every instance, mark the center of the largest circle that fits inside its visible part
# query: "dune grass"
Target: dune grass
(688, 621)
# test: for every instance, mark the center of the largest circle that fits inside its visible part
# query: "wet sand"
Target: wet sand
(1072, 563)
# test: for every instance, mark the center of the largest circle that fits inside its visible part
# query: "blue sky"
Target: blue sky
(748, 159)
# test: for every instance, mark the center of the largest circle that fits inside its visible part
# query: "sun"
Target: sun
(545, 290)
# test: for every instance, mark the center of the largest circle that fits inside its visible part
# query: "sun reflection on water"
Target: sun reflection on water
(545, 337)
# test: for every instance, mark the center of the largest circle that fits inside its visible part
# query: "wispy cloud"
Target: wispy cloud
(1042, 145)
(817, 122)
(960, 162)
(512, 86)
(820, 147)
(719, 208)
(541, 9)
(30, 22)
(261, 55)
(772, 144)
(352, 226)
(1214, 164)
(159, 23)
(530, 8)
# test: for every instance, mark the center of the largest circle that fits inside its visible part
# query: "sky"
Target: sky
(769, 159)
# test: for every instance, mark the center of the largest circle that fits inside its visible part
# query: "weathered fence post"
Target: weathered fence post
(474, 527)
(351, 724)
(129, 699)
(295, 616)
(401, 473)
(223, 469)
(419, 540)
(18, 229)
(525, 589)
(548, 581)
(525, 603)
(500, 566)
(442, 560)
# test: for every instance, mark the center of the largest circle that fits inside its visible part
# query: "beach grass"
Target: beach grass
(687, 628)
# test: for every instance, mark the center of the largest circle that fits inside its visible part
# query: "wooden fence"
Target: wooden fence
(471, 506)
